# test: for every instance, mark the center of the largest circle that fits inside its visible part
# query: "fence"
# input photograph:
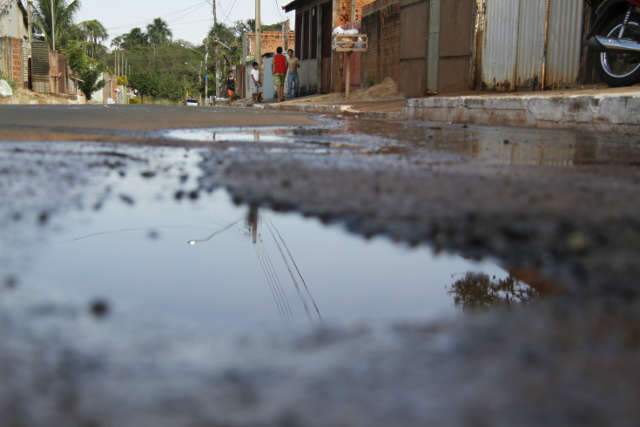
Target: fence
(530, 44)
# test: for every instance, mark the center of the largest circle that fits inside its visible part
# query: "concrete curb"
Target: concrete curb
(617, 113)
(605, 113)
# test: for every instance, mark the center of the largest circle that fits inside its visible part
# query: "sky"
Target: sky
(188, 19)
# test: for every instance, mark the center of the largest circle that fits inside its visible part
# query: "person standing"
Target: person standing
(279, 73)
(254, 83)
(293, 80)
(231, 87)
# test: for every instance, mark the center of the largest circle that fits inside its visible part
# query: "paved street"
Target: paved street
(530, 237)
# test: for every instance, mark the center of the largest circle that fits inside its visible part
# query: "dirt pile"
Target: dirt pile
(388, 89)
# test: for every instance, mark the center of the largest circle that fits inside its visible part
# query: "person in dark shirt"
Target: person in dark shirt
(231, 87)
(279, 73)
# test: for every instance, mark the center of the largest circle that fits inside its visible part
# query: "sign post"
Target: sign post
(347, 44)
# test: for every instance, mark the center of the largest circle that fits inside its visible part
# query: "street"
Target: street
(166, 266)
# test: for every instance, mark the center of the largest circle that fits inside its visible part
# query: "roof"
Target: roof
(296, 4)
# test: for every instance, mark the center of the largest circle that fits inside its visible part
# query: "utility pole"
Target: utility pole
(30, 20)
(258, 34)
(353, 12)
(215, 49)
(206, 71)
(53, 27)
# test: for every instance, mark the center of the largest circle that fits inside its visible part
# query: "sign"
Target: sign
(350, 43)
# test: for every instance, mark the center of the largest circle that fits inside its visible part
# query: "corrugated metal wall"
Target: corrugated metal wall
(516, 31)
(565, 42)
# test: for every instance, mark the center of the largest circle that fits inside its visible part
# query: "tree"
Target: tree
(91, 81)
(94, 34)
(131, 40)
(158, 32)
(146, 83)
(63, 12)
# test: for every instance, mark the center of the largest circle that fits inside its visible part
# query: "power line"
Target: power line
(180, 12)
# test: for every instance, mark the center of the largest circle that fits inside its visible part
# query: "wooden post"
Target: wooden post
(348, 82)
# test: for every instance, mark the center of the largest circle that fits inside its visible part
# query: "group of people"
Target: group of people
(285, 74)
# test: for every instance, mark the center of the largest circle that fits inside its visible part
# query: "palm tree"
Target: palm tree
(62, 12)
(159, 32)
(94, 33)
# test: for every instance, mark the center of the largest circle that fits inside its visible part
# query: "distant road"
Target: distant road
(62, 122)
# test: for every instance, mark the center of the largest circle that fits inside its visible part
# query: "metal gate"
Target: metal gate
(531, 44)
(436, 46)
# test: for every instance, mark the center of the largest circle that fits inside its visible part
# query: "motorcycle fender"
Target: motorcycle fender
(605, 13)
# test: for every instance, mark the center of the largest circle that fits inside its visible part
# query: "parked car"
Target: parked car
(191, 102)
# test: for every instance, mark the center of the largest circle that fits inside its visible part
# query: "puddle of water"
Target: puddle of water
(226, 268)
(268, 135)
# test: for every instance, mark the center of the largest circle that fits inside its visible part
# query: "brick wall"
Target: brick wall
(381, 22)
(343, 10)
(271, 40)
(11, 59)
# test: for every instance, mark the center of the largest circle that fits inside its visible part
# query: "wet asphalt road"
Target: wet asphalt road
(559, 209)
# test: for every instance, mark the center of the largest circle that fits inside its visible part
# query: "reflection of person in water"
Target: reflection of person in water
(479, 291)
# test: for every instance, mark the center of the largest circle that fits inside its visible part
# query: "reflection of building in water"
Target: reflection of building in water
(543, 153)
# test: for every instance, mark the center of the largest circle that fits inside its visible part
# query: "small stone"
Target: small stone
(184, 178)
(578, 242)
(194, 195)
(506, 142)
(148, 174)
(43, 218)
(122, 174)
(127, 200)
(179, 195)
(153, 235)
(11, 282)
(99, 308)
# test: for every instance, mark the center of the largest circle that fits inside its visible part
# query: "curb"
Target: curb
(603, 113)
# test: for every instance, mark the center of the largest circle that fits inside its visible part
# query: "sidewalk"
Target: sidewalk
(594, 109)
(597, 109)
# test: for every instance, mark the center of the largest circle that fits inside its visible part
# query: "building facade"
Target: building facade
(322, 70)
(15, 50)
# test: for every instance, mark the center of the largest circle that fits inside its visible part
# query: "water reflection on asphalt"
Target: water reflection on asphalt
(487, 145)
(224, 267)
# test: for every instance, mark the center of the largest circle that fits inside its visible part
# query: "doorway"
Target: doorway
(326, 15)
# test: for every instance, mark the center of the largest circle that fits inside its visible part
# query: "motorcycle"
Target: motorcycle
(615, 33)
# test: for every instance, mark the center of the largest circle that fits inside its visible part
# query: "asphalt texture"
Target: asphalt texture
(557, 208)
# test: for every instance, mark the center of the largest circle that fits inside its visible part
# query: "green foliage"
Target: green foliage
(158, 32)
(146, 83)
(90, 81)
(94, 33)
(135, 38)
(63, 11)
(77, 56)
(479, 291)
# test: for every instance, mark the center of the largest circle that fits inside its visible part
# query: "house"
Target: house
(322, 70)
(270, 41)
(15, 50)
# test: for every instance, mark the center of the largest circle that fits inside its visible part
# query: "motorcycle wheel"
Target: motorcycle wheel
(621, 69)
